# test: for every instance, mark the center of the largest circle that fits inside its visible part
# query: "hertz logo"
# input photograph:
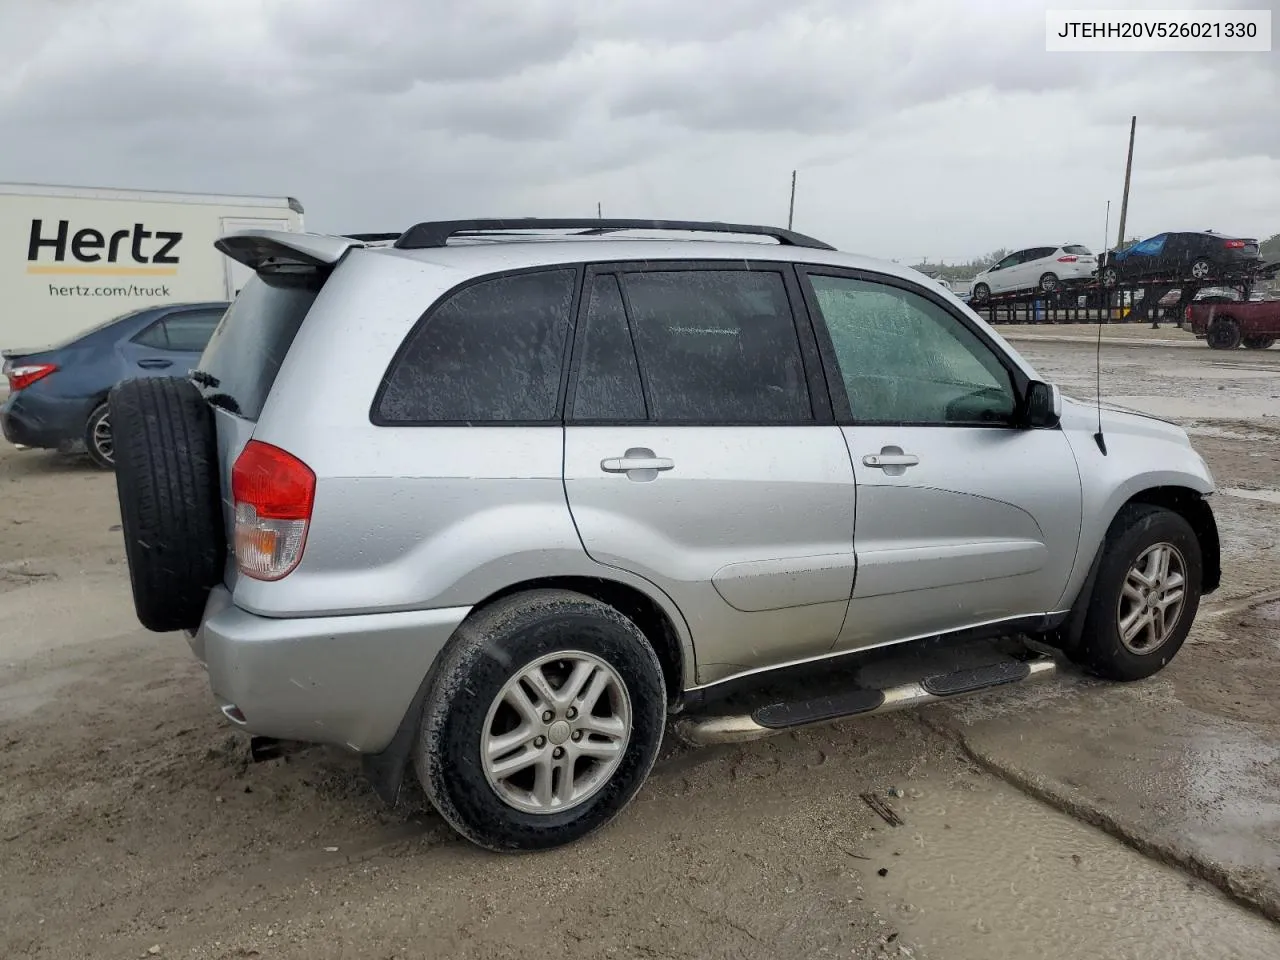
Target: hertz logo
(100, 252)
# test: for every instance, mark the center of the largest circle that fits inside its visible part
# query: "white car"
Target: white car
(1046, 269)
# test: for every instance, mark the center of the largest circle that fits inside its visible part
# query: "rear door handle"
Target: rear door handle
(882, 460)
(628, 463)
(154, 363)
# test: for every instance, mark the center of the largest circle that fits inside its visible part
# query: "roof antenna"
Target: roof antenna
(1098, 438)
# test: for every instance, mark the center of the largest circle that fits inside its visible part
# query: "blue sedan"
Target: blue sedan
(57, 396)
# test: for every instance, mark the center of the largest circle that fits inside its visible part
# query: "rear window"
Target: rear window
(248, 346)
(1076, 250)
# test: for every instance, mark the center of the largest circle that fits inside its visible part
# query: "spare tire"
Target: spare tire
(170, 501)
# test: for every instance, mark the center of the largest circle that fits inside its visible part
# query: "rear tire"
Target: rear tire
(980, 293)
(97, 438)
(1259, 342)
(481, 694)
(1223, 334)
(1142, 607)
(166, 461)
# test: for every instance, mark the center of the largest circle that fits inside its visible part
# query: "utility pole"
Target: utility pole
(791, 212)
(599, 215)
(1106, 229)
(1128, 171)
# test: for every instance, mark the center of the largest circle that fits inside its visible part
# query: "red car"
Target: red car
(1227, 325)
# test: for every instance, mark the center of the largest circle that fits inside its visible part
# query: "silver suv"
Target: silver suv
(492, 500)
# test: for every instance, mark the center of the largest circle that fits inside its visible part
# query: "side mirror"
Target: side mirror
(1042, 408)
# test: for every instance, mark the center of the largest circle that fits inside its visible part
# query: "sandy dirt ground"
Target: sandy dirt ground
(1071, 819)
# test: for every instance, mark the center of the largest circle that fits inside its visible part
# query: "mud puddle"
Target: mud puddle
(979, 870)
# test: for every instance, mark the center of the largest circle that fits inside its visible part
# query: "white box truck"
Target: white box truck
(72, 257)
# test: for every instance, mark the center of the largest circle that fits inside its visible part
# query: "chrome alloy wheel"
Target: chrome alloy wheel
(556, 732)
(1151, 599)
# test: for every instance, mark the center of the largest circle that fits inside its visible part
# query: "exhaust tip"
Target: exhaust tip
(232, 713)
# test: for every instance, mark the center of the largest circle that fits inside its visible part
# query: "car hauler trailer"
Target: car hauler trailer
(73, 257)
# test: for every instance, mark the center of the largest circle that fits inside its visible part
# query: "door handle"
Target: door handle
(882, 460)
(628, 463)
(154, 363)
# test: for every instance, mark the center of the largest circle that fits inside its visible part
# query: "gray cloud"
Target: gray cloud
(918, 125)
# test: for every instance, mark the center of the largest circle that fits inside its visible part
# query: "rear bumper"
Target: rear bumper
(346, 680)
(30, 420)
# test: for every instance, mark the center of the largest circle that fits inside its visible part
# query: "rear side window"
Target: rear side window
(718, 346)
(1076, 250)
(250, 343)
(1039, 253)
(492, 353)
(187, 332)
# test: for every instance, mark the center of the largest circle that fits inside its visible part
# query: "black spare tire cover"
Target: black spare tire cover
(170, 500)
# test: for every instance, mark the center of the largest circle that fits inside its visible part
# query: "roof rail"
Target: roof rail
(437, 233)
(371, 237)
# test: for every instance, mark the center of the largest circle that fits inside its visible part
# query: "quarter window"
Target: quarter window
(905, 359)
(492, 352)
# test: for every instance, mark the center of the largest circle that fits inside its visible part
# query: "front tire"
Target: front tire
(98, 442)
(543, 720)
(1049, 283)
(1110, 277)
(1146, 594)
(981, 293)
(1202, 269)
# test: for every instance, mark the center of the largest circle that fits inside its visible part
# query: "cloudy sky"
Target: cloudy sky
(919, 127)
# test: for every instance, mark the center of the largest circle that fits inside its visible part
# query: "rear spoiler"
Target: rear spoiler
(15, 352)
(268, 249)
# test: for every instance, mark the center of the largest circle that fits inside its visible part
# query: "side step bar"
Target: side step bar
(779, 717)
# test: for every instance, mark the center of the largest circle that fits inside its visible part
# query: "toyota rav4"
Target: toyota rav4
(492, 501)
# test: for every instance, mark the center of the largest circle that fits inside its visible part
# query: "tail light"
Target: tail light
(1186, 314)
(1234, 244)
(1068, 259)
(274, 493)
(24, 375)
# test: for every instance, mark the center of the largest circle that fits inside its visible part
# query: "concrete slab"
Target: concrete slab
(1184, 767)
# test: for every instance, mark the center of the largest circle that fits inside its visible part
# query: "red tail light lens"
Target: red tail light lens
(1234, 244)
(274, 493)
(1186, 314)
(1068, 259)
(24, 375)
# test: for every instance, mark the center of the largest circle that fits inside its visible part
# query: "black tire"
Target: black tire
(1109, 276)
(1135, 530)
(170, 502)
(1201, 269)
(98, 442)
(491, 648)
(1223, 334)
(1259, 342)
(1049, 283)
(980, 293)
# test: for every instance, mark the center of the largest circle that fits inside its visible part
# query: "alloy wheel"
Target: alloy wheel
(1151, 599)
(556, 732)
